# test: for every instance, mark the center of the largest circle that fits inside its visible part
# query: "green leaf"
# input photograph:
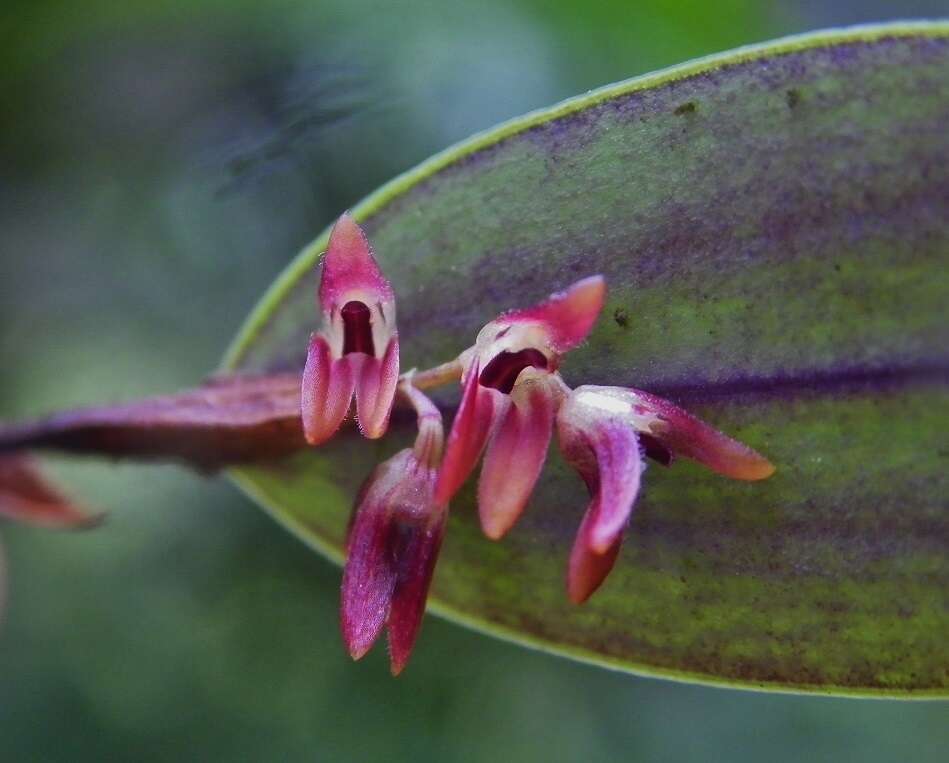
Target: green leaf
(773, 224)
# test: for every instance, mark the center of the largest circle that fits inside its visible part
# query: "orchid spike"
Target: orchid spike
(604, 432)
(394, 542)
(357, 350)
(511, 391)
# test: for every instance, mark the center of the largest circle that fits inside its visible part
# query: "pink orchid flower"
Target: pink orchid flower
(394, 542)
(511, 392)
(512, 395)
(604, 433)
(357, 350)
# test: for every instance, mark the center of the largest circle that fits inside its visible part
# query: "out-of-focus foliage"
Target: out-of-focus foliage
(161, 163)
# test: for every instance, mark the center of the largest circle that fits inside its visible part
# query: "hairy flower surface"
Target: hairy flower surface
(393, 544)
(604, 432)
(357, 350)
(511, 391)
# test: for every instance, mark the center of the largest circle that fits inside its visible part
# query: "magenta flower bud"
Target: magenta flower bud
(510, 397)
(393, 545)
(604, 433)
(357, 350)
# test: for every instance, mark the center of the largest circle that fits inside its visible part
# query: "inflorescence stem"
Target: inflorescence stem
(446, 373)
(431, 437)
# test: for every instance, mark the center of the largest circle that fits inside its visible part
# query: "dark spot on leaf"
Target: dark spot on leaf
(683, 109)
(792, 97)
(621, 316)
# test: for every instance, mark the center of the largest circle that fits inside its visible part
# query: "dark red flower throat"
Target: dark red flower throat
(357, 328)
(504, 368)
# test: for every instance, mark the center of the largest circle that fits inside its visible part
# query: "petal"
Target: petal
(587, 569)
(416, 556)
(326, 392)
(26, 496)
(515, 456)
(478, 410)
(688, 436)
(392, 548)
(569, 315)
(369, 575)
(376, 381)
(349, 267)
(619, 467)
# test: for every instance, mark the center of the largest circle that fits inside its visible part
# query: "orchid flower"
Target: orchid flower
(511, 392)
(357, 350)
(394, 542)
(604, 433)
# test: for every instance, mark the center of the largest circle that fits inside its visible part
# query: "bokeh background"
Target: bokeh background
(160, 162)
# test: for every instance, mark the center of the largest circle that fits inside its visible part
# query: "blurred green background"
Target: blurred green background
(161, 162)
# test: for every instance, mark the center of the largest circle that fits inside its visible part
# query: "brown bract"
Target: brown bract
(228, 420)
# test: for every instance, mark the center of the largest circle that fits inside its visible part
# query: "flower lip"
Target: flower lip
(502, 370)
(357, 328)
